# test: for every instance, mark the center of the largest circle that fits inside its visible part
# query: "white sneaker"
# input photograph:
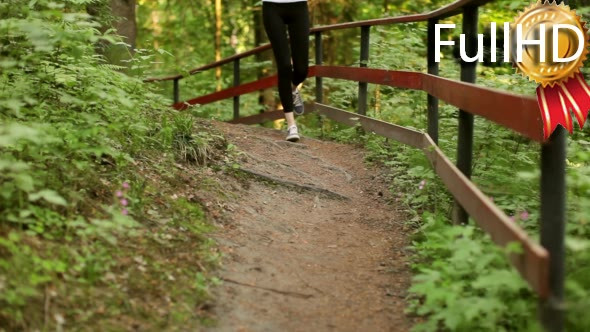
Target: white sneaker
(292, 134)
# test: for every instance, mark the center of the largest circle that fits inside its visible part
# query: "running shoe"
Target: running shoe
(292, 134)
(297, 103)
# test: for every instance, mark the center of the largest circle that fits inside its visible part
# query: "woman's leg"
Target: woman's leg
(276, 30)
(290, 118)
(299, 35)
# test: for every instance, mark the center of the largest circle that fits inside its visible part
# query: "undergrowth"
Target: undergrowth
(462, 281)
(99, 226)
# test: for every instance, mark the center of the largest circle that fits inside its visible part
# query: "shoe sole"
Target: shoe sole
(293, 138)
(299, 112)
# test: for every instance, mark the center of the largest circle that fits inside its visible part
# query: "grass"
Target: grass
(105, 191)
(148, 270)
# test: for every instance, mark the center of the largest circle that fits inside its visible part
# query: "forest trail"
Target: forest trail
(323, 251)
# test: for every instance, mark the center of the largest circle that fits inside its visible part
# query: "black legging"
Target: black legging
(295, 17)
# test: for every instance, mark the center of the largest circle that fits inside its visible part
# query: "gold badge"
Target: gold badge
(548, 73)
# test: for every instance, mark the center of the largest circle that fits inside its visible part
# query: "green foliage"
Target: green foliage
(189, 146)
(464, 282)
(66, 117)
(84, 233)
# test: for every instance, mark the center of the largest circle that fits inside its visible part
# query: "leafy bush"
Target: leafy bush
(464, 281)
(76, 135)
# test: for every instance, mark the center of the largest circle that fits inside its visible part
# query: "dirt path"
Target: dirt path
(323, 252)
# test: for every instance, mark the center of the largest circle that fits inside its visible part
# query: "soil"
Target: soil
(312, 243)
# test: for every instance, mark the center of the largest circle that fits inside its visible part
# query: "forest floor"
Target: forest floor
(310, 238)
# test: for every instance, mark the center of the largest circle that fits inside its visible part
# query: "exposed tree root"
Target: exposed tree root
(281, 165)
(294, 185)
(287, 293)
(292, 145)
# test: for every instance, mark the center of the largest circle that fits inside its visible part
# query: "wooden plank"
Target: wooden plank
(401, 134)
(517, 112)
(259, 118)
(533, 262)
(399, 79)
(221, 62)
(261, 84)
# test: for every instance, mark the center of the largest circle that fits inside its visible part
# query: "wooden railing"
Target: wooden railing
(542, 266)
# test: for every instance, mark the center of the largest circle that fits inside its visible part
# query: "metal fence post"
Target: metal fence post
(465, 137)
(236, 83)
(553, 192)
(319, 60)
(363, 86)
(176, 91)
(432, 69)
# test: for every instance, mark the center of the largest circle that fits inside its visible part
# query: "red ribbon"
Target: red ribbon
(557, 101)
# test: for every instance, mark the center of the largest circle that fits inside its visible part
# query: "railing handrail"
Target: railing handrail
(212, 65)
(516, 112)
(451, 9)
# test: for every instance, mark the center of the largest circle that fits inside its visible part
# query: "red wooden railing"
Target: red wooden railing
(542, 266)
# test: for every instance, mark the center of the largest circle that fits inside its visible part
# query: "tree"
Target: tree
(125, 24)
(266, 97)
(119, 15)
(218, 27)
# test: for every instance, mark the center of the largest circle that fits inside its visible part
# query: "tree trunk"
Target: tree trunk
(125, 26)
(266, 98)
(218, 26)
